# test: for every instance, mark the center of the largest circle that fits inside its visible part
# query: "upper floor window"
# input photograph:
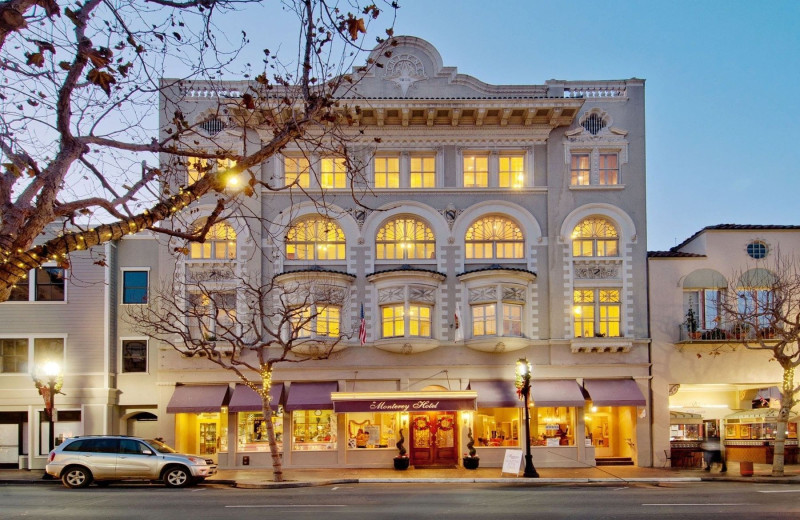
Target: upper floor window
(706, 307)
(316, 321)
(580, 169)
(48, 350)
(13, 355)
(220, 244)
(594, 167)
(494, 237)
(422, 171)
(409, 319)
(476, 171)
(334, 172)
(315, 239)
(387, 171)
(197, 167)
(49, 284)
(609, 169)
(757, 250)
(595, 236)
(511, 171)
(597, 312)
(296, 171)
(20, 292)
(211, 314)
(497, 309)
(405, 238)
(134, 356)
(134, 286)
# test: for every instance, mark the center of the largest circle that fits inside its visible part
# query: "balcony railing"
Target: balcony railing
(729, 332)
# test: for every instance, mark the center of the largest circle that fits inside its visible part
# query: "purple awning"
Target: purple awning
(557, 392)
(614, 392)
(496, 394)
(311, 396)
(244, 399)
(197, 398)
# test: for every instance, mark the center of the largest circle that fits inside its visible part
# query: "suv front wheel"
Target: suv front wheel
(177, 476)
(76, 477)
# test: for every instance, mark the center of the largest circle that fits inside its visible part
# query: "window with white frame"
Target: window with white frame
(757, 304)
(220, 244)
(315, 238)
(706, 306)
(595, 236)
(494, 237)
(333, 174)
(406, 320)
(134, 286)
(422, 170)
(49, 284)
(594, 167)
(316, 321)
(609, 168)
(13, 355)
(497, 309)
(511, 170)
(597, 312)
(405, 238)
(476, 170)
(134, 356)
(296, 171)
(580, 169)
(387, 171)
(404, 170)
(17, 356)
(211, 315)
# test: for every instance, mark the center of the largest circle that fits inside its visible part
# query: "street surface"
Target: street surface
(701, 501)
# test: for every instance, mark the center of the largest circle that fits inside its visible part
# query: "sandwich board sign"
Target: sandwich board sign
(512, 462)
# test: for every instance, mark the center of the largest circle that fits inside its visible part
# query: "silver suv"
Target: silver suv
(104, 458)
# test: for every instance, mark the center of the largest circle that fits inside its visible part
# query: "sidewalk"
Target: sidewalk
(262, 478)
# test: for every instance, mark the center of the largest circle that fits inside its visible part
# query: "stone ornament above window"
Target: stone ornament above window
(513, 294)
(483, 294)
(421, 293)
(596, 271)
(391, 295)
(405, 70)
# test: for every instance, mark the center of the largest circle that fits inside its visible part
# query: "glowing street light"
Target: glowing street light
(49, 385)
(523, 384)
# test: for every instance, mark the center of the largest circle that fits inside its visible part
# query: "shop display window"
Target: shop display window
(372, 430)
(757, 430)
(313, 430)
(497, 427)
(252, 432)
(685, 432)
(555, 426)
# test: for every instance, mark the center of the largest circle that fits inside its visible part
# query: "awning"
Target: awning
(557, 392)
(496, 394)
(245, 399)
(614, 392)
(759, 414)
(402, 401)
(685, 418)
(197, 398)
(311, 396)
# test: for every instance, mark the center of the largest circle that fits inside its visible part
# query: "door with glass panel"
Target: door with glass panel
(433, 439)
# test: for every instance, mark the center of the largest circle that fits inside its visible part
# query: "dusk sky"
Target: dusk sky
(722, 80)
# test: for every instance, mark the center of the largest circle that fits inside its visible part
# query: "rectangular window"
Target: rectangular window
(419, 321)
(484, 320)
(134, 356)
(196, 168)
(300, 319)
(706, 304)
(314, 430)
(328, 319)
(48, 350)
(609, 169)
(512, 319)
(393, 322)
(20, 291)
(253, 430)
(610, 313)
(597, 312)
(387, 172)
(334, 173)
(423, 171)
(580, 169)
(296, 171)
(476, 171)
(13, 356)
(134, 287)
(511, 172)
(50, 284)
(367, 430)
(583, 310)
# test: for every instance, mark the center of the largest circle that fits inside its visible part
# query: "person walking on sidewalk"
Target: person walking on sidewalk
(712, 454)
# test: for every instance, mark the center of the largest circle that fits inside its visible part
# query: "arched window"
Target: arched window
(595, 236)
(315, 238)
(220, 244)
(494, 237)
(405, 238)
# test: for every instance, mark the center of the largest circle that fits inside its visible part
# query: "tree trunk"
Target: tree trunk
(787, 402)
(277, 465)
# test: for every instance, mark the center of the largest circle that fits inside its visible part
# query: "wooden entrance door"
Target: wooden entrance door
(434, 439)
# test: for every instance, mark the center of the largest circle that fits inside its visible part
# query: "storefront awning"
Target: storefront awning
(760, 415)
(557, 392)
(614, 392)
(311, 396)
(496, 394)
(402, 401)
(197, 398)
(245, 399)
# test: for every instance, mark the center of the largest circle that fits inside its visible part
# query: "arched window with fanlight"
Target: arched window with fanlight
(595, 236)
(315, 238)
(220, 244)
(494, 237)
(405, 238)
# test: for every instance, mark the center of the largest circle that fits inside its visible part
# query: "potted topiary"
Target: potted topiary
(401, 461)
(471, 461)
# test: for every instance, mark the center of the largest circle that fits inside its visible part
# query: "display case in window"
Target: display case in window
(252, 431)
(367, 430)
(750, 436)
(313, 430)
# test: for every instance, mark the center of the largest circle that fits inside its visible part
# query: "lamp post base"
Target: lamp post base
(530, 471)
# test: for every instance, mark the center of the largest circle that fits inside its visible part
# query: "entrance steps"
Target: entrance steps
(614, 461)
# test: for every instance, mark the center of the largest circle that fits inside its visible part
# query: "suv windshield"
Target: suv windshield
(160, 446)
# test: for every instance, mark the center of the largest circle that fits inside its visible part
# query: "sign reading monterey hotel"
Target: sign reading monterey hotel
(403, 401)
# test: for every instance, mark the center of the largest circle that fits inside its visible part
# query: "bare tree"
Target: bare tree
(82, 83)
(248, 327)
(764, 306)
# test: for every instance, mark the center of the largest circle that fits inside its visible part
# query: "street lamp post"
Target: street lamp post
(523, 383)
(48, 387)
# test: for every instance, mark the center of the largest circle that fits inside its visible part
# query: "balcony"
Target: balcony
(726, 332)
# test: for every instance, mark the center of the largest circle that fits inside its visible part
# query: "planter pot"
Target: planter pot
(746, 468)
(471, 462)
(401, 463)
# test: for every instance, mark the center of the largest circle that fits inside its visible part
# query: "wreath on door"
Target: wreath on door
(446, 423)
(421, 424)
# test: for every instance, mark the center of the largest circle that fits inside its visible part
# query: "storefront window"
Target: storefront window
(314, 430)
(497, 427)
(252, 432)
(554, 426)
(372, 430)
(685, 432)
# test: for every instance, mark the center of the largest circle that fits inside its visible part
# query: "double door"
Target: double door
(434, 439)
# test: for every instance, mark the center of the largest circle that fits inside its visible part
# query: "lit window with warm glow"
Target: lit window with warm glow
(580, 169)
(597, 312)
(484, 320)
(198, 167)
(315, 239)
(220, 244)
(387, 172)
(316, 320)
(476, 171)
(511, 173)
(400, 320)
(405, 238)
(595, 236)
(334, 173)
(422, 171)
(296, 171)
(494, 237)
(609, 169)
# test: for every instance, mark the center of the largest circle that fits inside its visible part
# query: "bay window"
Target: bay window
(406, 320)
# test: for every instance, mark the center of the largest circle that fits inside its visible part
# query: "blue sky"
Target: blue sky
(721, 92)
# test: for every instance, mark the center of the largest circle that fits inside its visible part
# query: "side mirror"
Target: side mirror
(145, 451)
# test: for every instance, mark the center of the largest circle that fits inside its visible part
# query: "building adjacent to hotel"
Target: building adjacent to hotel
(497, 222)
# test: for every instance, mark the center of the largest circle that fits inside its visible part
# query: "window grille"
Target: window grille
(213, 126)
(593, 124)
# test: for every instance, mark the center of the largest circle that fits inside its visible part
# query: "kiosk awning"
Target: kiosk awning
(197, 398)
(614, 392)
(403, 401)
(311, 396)
(245, 399)
(496, 394)
(685, 418)
(557, 392)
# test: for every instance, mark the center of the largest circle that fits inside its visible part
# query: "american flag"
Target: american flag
(362, 329)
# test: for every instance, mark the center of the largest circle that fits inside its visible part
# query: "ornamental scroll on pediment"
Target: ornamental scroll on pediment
(405, 70)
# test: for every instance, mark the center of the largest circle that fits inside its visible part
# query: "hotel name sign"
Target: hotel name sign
(404, 405)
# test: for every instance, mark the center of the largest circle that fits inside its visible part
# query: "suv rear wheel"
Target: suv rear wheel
(177, 476)
(76, 477)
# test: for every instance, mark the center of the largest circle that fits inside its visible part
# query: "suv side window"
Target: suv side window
(131, 446)
(101, 445)
(77, 445)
